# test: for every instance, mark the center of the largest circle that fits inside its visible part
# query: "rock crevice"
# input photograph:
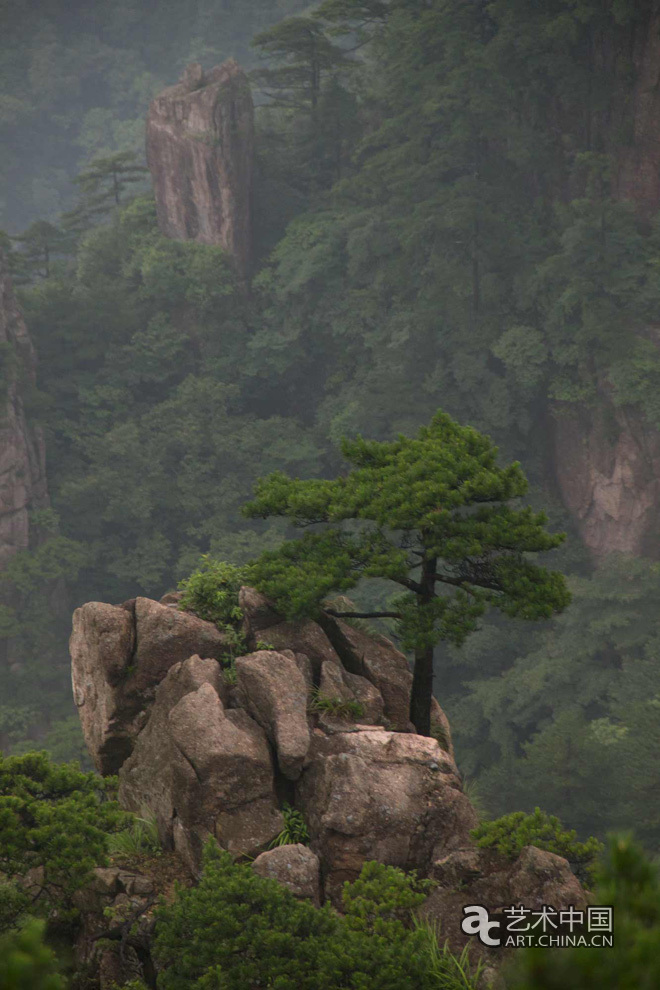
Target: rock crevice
(216, 752)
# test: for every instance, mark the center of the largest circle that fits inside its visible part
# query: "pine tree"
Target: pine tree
(430, 514)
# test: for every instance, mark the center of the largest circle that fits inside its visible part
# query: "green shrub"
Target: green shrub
(511, 833)
(336, 706)
(295, 828)
(448, 970)
(54, 817)
(211, 592)
(26, 963)
(236, 930)
(630, 883)
(140, 838)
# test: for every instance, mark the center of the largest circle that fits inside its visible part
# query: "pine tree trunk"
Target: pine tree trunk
(422, 691)
(422, 686)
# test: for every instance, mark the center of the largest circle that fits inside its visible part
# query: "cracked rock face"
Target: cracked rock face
(209, 755)
(22, 453)
(200, 150)
(201, 770)
(608, 470)
(119, 655)
(479, 876)
(375, 794)
(273, 690)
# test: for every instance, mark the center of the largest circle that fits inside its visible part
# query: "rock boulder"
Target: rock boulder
(273, 690)
(201, 770)
(376, 794)
(296, 867)
(102, 644)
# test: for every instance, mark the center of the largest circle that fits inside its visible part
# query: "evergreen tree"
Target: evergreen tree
(102, 184)
(236, 930)
(629, 883)
(439, 520)
(26, 962)
(54, 821)
(40, 243)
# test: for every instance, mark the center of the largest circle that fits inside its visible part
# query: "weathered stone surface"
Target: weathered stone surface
(294, 866)
(440, 728)
(200, 770)
(338, 683)
(259, 613)
(200, 150)
(119, 655)
(478, 876)
(608, 469)
(172, 598)
(273, 690)
(101, 646)
(381, 795)
(305, 637)
(165, 636)
(22, 454)
(202, 765)
(377, 659)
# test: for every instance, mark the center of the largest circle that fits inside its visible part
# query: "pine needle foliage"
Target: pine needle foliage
(56, 818)
(432, 514)
(237, 930)
(629, 882)
(511, 833)
(26, 962)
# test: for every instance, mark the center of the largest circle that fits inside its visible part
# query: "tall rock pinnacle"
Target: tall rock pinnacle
(200, 148)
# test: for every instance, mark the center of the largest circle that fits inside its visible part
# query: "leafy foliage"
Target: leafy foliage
(629, 882)
(237, 929)
(211, 592)
(26, 962)
(54, 820)
(295, 828)
(511, 833)
(340, 707)
(439, 514)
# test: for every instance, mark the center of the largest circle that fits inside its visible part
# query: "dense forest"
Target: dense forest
(440, 222)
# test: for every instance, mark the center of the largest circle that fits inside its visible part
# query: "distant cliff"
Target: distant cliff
(22, 455)
(200, 149)
(607, 456)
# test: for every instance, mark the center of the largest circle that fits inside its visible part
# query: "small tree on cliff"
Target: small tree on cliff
(431, 514)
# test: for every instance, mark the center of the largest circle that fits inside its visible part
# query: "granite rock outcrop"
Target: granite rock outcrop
(200, 150)
(210, 745)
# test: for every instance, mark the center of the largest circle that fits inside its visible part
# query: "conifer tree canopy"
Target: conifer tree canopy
(430, 513)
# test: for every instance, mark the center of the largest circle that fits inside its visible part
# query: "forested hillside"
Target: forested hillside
(451, 211)
(76, 79)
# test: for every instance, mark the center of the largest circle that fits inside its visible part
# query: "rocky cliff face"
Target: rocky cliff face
(608, 471)
(213, 748)
(22, 456)
(607, 459)
(200, 148)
